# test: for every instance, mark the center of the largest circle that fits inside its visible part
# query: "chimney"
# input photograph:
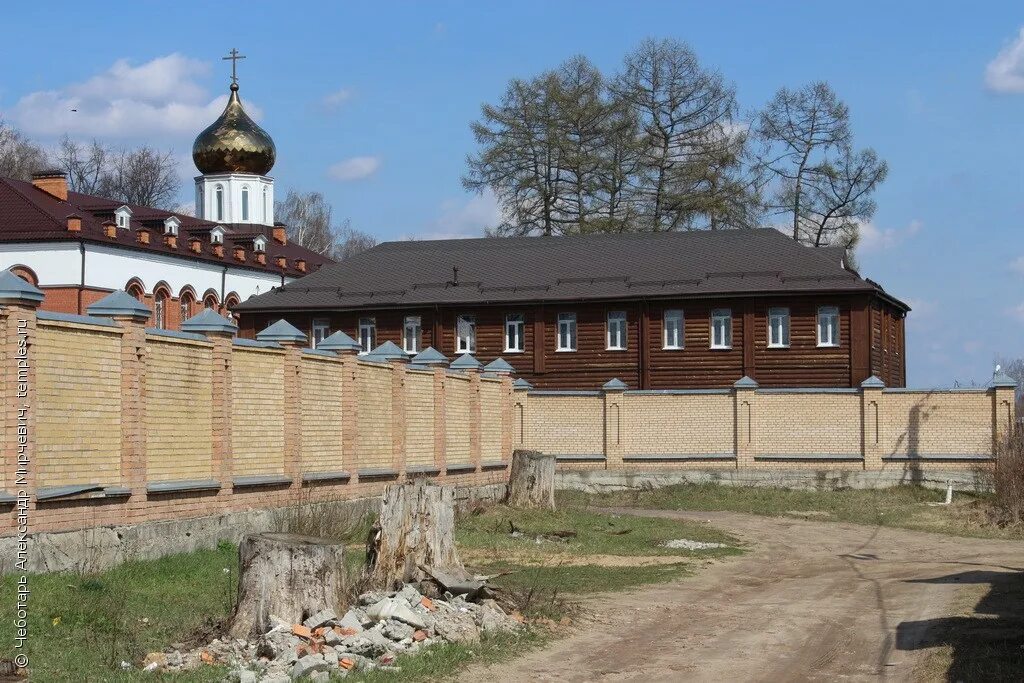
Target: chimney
(110, 229)
(281, 262)
(300, 265)
(195, 245)
(142, 234)
(74, 223)
(171, 241)
(53, 183)
(218, 250)
(261, 258)
(239, 253)
(280, 233)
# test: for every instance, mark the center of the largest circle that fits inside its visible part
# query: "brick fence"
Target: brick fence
(746, 427)
(124, 425)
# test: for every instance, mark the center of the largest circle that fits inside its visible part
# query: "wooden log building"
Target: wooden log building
(660, 311)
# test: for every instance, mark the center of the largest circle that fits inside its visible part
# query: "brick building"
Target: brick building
(659, 311)
(78, 248)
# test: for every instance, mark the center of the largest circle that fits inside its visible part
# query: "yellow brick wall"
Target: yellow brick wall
(419, 418)
(456, 419)
(78, 396)
(803, 424)
(178, 422)
(684, 424)
(321, 415)
(373, 413)
(490, 418)
(937, 422)
(257, 411)
(565, 424)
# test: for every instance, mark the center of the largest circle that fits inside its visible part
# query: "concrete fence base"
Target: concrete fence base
(604, 481)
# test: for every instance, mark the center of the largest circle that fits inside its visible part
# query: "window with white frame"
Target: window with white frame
(566, 332)
(411, 334)
(615, 336)
(672, 329)
(123, 217)
(245, 203)
(514, 327)
(828, 326)
(465, 334)
(778, 328)
(321, 330)
(265, 213)
(367, 334)
(218, 194)
(721, 328)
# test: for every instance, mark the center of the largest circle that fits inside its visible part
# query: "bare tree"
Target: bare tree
(812, 174)
(685, 114)
(19, 156)
(308, 216)
(142, 176)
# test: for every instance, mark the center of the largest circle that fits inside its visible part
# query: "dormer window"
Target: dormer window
(123, 217)
(217, 235)
(259, 245)
(171, 225)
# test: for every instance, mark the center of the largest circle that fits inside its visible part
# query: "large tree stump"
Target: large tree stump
(531, 481)
(414, 535)
(287, 575)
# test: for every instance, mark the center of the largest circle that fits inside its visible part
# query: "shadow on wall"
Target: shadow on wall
(919, 414)
(987, 645)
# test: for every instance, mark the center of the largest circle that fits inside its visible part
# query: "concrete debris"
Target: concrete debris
(687, 544)
(369, 636)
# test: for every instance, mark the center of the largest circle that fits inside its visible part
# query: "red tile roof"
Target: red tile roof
(28, 214)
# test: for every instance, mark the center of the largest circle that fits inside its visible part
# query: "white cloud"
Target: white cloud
(874, 238)
(355, 168)
(464, 218)
(162, 95)
(1017, 265)
(1017, 312)
(333, 101)
(1005, 73)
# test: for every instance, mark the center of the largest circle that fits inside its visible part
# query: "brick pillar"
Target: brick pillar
(475, 419)
(132, 316)
(220, 331)
(1003, 390)
(440, 429)
(871, 422)
(398, 415)
(349, 412)
(520, 413)
(293, 340)
(744, 394)
(614, 399)
(506, 418)
(19, 301)
(293, 413)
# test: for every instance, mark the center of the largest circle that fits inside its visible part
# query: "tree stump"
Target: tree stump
(531, 481)
(287, 575)
(414, 535)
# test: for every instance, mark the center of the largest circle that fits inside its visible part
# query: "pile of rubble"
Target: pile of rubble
(369, 635)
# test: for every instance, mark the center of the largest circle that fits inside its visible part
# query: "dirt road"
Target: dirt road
(812, 601)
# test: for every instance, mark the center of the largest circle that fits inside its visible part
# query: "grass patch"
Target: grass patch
(443, 659)
(82, 626)
(902, 506)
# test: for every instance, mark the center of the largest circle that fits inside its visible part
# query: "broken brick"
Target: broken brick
(302, 631)
(428, 603)
(346, 663)
(419, 636)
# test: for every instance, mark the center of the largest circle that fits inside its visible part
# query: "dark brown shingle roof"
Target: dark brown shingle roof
(523, 269)
(28, 214)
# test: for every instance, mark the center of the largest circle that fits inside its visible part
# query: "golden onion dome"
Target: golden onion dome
(234, 143)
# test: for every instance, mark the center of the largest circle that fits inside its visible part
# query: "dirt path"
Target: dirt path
(812, 601)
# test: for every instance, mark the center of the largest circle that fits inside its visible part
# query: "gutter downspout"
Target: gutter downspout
(81, 282)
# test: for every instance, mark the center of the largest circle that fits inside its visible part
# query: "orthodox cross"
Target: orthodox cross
(234, 57)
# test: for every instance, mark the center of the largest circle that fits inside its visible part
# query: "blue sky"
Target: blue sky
(371, 106)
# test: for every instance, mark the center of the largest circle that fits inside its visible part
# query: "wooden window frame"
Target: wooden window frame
(779, 313)
(828, 313)
(620, 321)
(518, 321)
(412, 322)
(568, 321)
(665, 316)
(367, 341)
(718, 314)
(323, 325)
(470, 345)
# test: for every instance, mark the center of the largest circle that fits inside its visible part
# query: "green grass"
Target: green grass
(82, 626)
(596, 533)
(443, 659)
(902, 506)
